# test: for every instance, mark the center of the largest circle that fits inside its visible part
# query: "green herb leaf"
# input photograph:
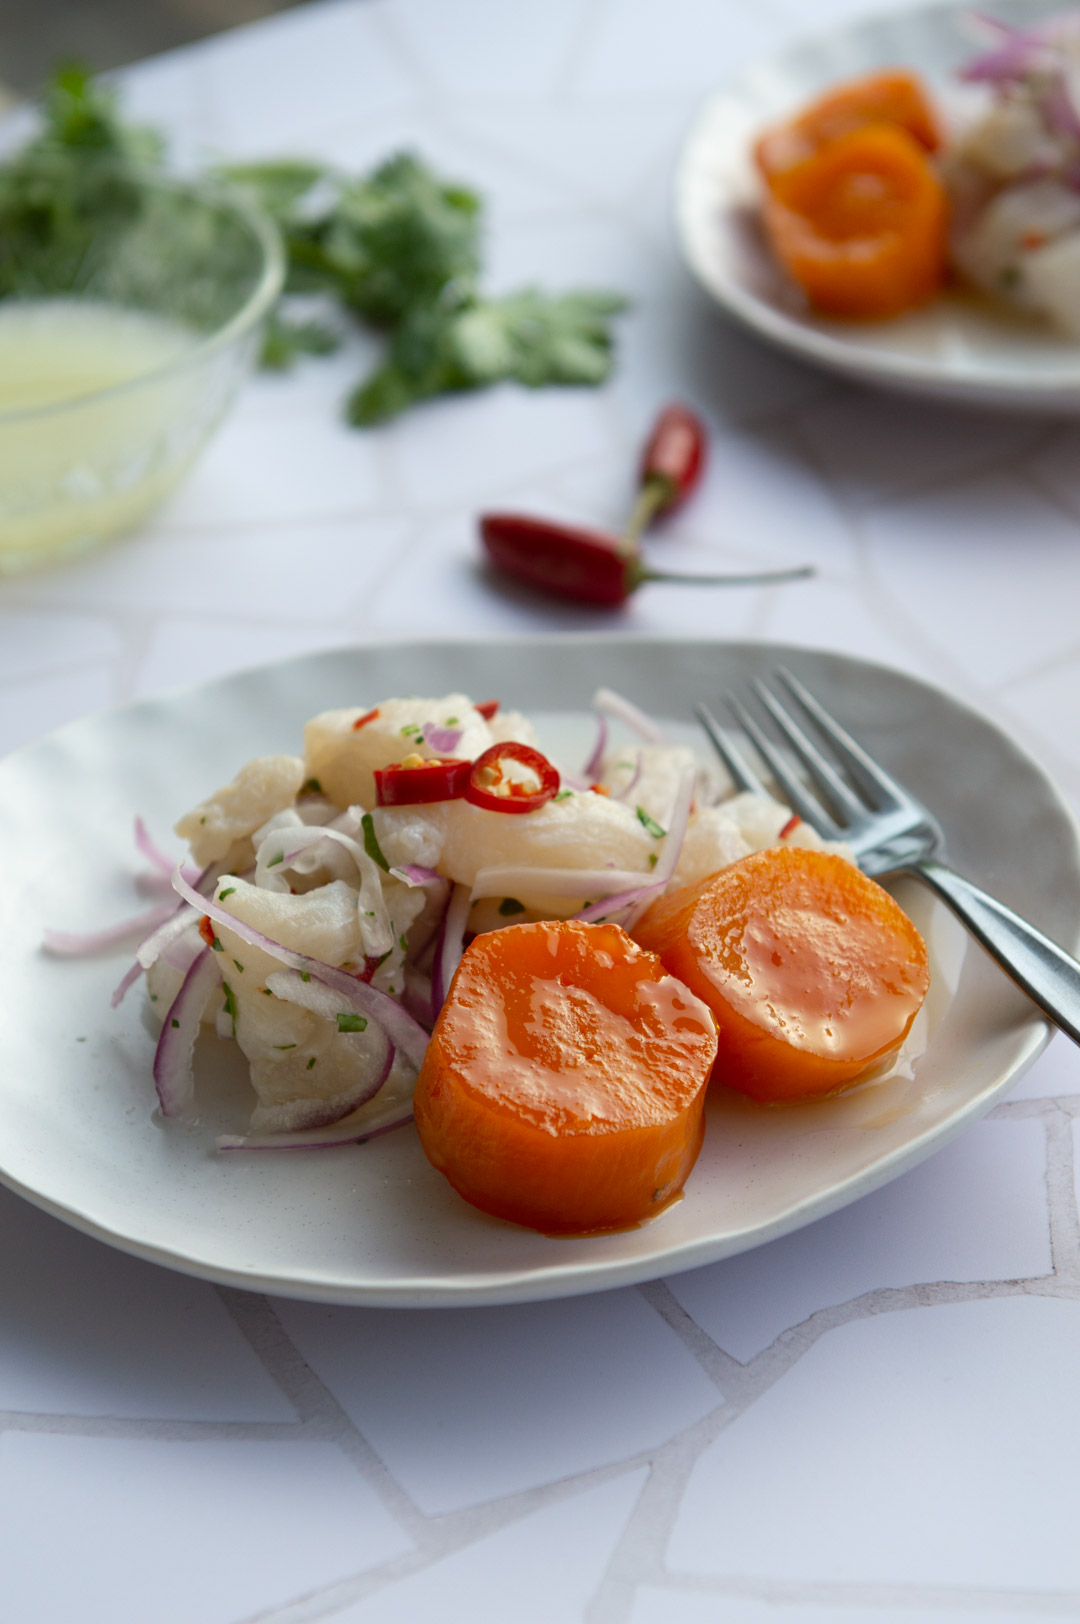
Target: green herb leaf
(284, 1045)
(286, 340)
(230, 1003)
(228, 891)
(649, 824)
(371, 842)
(348, 1021)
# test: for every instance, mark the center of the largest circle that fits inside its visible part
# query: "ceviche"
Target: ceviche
(872, 199)
(424, 915)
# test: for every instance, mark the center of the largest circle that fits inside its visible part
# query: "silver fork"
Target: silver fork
(890, 832)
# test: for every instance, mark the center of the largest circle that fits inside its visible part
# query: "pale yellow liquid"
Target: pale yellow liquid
(76, 464)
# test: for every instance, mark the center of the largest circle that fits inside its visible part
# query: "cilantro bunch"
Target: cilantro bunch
(399, 250)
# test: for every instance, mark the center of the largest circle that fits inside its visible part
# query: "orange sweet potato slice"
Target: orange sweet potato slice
(564, 1083)
(861, 225)
(813, 972)
(893, 96)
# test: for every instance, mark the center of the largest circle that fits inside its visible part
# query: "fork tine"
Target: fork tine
(801, 801)
(736, 763)
(882, 790)
(827, 780)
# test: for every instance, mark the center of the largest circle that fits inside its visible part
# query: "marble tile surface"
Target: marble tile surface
(873, 1420)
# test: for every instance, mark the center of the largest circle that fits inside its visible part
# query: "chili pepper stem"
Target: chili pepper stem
(757, 578)
(653, 497)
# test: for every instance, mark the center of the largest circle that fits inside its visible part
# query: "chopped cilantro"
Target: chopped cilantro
(218, 945)
(274, 861)
(230, 1003)
(284, 1045)
(509, 906)
(451, 721)
(564, 794)
(228, 891)
(649, 824)
(403, 944)
(654, 858)
(175, 1022)
(371, 842)
(311, 786)
(305, 975)
(348, 1021)
(153, 997)
(311, 1062)
(239, 966)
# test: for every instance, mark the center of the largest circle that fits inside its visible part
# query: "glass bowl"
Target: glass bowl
(123, 339)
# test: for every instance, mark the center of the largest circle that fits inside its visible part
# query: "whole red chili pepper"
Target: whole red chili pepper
(671, 467)
(587, 565)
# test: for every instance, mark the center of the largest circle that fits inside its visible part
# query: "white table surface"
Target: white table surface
(875, 1419)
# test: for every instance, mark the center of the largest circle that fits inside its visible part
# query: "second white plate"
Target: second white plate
(956, 348)
(374, 1223)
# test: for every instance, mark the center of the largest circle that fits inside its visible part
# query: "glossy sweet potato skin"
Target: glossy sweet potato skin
(564, 1084)
(813, 972)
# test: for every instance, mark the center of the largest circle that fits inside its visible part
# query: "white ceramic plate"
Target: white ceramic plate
(374, 1223)
(957, 348)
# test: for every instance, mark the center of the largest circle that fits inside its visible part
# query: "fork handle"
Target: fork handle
(1049, 975)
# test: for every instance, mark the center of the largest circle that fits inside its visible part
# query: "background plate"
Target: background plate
(958, 347)
(374, 1224)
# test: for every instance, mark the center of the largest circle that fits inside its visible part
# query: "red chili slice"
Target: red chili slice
(488, 786)
(436, 780)
(362, 721)
(487, 708)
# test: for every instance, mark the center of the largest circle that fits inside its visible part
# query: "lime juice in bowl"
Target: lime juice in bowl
(124, 334)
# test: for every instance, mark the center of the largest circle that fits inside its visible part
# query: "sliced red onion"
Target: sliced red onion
(404, 1032)
(442, 902)
(152, 947)
(346, 1132)
(1059, 107)
(443, 740)
(610, 906)
(510, 881)
(413, 874)
(604, 699)
(635, 900)
(173, 1073)
(150, 850)
(417, 995)
(72, 944)
(591, 769)
(130, 977)
(451, 945)
(678, 823)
